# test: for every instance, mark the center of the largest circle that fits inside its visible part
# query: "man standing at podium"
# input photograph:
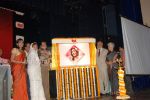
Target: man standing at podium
(102, 68)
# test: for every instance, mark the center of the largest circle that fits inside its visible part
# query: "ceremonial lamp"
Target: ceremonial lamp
(122, 89)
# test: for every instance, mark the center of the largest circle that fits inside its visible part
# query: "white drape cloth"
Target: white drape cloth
(136, 40)
(34, 72)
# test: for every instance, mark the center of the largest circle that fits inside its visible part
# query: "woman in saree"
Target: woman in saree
(18, 69)
(112, 68)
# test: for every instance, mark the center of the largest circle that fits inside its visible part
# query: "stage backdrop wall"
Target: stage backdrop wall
(6, 32)
(136, 39)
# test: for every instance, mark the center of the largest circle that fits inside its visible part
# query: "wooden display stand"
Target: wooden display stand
(74, 60)
(5, 82)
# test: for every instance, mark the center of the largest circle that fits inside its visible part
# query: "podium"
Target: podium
(5, 82)
(74, 60)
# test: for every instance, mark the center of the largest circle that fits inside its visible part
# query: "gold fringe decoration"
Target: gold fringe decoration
(81, 84)
(86, 83)
(98, 82)
(70, 83)
(75, 83)
(91, 81)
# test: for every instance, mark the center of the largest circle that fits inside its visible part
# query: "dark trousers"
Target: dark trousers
(28, 87)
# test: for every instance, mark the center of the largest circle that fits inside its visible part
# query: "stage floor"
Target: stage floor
(142, 95)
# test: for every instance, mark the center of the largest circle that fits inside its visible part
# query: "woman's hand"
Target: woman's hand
(24, 62)
(109, 62)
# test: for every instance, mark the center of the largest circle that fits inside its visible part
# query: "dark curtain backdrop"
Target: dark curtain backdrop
(131, 9)
(6, 32)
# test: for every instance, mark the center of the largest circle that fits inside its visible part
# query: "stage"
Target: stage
(142, 95)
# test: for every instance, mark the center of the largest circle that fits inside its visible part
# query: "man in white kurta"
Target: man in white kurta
(102, 68)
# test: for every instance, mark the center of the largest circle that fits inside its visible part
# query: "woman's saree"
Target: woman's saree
(19, 78)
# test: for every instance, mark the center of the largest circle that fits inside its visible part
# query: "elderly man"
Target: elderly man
(102, 68)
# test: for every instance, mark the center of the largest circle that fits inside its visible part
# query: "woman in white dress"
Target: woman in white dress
(34, 72)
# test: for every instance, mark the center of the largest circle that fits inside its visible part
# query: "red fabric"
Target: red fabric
(19, 79)
(6, 32)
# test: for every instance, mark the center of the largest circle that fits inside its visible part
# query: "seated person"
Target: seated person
(2, 60)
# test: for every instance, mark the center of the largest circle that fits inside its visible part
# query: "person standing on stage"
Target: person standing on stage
(34, 72)
(102, 68)
(44, 56)
(18, 60)
(112, 68)
(3, 60)
(122, 55)
(127, 78)
(26, 50)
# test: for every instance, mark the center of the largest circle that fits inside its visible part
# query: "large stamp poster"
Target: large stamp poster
(74, 54)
